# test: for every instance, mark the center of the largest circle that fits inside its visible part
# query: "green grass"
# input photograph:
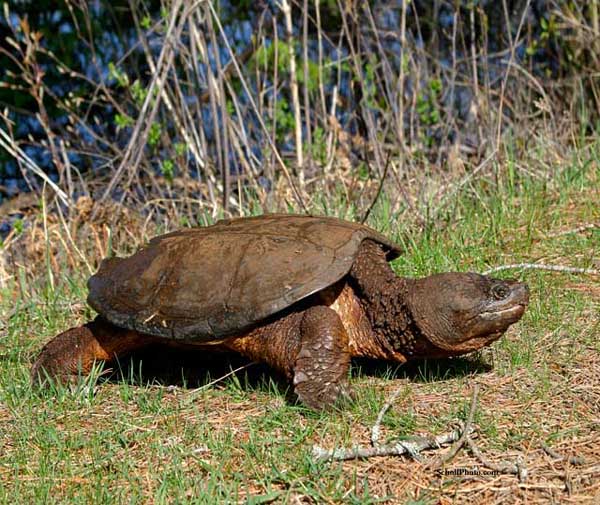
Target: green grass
(135, 439)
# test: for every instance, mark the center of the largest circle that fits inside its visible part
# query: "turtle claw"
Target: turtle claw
(324, 397)
(321, 368)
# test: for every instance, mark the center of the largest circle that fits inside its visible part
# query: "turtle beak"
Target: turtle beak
(492, 321)
(508, 310)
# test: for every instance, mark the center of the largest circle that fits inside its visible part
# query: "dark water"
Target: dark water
(430, 26)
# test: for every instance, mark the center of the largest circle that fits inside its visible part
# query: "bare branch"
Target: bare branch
(579, 229)
(540, 266)
(12, 148)
(376, 429)
(573, 460)
(398, 449)
(287, 14)
(439, 462)
(517, 468)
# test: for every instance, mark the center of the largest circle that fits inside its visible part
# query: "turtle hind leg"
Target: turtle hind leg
(72, 353)
(321, 366)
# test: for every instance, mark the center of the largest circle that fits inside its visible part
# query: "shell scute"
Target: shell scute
(213, 282)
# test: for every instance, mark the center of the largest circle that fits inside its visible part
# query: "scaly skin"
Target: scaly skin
(73, 352)
(370, 313)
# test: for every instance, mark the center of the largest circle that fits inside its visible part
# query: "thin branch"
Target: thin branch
(379, 189)
(573, 460)
(398, 449)
(410, 447)
(540, 266)
(517, 468)
(439, 462)
(579, 229)
(287, 15)
(13, 148)
(376, 429)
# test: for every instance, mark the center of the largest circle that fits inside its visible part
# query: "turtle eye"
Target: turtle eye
(500, 291)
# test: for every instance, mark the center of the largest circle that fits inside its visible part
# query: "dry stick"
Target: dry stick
(413, 448)
(579, 229)
(376, 429)
(47, 239)
(540, 266)
(462, 182)
(140, 133)
(199, 41)
(573, 460)
(194, 392)
(517, 468)
(398, 449)
(307, 118)
(474, 70)
(379, 189)
(441, 461)
(229, 69)
(218, 93)
(511, 58)
(320, 58)
(13, 148)
(271, 105)
(287, 14)
(192, 144)
(259, 118)
(213, 90)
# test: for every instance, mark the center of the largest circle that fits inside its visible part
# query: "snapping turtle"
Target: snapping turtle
(304, 294)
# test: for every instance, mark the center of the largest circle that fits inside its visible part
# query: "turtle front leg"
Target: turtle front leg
(72, 353)
(321, 366)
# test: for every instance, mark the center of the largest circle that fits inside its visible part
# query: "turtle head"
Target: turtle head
(462, 312)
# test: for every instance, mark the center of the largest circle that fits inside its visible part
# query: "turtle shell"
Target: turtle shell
(212, 282)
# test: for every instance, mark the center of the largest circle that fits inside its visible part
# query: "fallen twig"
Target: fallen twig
(579, 229)
(573, 460)
(376, 429)
(439, 462)
(397, 449)
(540, 266)
(192, 394)
(410, 447)
(505, 467)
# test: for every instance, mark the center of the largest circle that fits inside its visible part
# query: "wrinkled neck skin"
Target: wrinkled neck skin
(384, 297)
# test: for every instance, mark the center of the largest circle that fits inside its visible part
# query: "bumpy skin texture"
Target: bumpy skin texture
(369, 312)
(384, 297)
(73, 352)
(321, 367)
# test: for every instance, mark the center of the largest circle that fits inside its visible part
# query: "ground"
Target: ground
(161, 429)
